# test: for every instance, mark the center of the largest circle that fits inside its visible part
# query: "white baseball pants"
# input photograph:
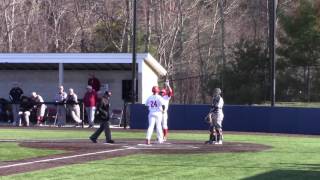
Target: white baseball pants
(155, 118)
(165, 120)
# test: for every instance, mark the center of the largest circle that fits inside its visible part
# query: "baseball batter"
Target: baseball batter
(155, 105)
(166, 94)
(216, 115)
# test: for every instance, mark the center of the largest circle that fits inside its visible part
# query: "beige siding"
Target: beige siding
(149, 79)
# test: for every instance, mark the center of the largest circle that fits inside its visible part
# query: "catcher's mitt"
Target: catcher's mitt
(208, 118)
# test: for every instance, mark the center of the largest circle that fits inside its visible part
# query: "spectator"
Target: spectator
(15, 97)
(60, 99)
(103, 115)
(40, 107)
(90, 102)
(25, 111)
(73, 106)
(94, 82)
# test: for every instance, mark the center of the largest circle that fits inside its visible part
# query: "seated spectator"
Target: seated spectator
(40, 107)
(25, 110)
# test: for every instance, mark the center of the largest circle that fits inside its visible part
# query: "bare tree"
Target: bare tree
(10, 23)
(147, 34)
(191, 39)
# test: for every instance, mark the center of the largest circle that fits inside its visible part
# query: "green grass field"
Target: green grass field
(290, 158)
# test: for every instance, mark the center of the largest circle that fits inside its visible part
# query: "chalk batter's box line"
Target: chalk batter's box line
(63, 158)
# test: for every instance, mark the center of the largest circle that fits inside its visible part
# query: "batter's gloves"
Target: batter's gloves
(167, 84)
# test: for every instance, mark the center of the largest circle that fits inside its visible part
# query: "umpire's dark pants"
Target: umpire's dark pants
(104, 125)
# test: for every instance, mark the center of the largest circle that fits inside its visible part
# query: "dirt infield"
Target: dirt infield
(81, 151)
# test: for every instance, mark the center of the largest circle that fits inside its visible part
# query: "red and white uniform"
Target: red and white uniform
(166, 99)
(154, 103)
(166, 94)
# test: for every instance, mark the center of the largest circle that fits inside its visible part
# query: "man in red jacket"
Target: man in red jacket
(90, 102)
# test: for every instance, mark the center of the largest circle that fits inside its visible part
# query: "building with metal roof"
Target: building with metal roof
(44, 72)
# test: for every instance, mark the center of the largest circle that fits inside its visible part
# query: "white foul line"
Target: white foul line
(81, 155)
(61, 158)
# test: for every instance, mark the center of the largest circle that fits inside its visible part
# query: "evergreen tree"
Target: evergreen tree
(246, 79)
(300, 40)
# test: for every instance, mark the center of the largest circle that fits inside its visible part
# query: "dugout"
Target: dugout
(43, 72)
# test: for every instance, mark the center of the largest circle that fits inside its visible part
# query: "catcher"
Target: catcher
(215, 118)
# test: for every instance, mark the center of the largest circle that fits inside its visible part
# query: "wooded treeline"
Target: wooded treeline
(202, 43)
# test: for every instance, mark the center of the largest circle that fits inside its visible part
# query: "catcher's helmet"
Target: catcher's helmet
(155, 89)
(217, 91)
(163, 92)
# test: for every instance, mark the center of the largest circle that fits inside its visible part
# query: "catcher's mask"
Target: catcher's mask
(216, 92)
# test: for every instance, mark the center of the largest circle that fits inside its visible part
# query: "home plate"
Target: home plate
(166, 143)
(109, 143)
(146, 145)
(166, 146)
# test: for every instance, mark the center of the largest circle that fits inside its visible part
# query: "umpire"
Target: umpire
(102, 113)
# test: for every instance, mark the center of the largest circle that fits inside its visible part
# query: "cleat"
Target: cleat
(219, 143)
(93, 140)
(110, 141)
(77, 124)
(148, 142)
(209, 142)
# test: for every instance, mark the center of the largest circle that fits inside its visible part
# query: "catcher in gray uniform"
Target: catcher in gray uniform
(215, 118)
